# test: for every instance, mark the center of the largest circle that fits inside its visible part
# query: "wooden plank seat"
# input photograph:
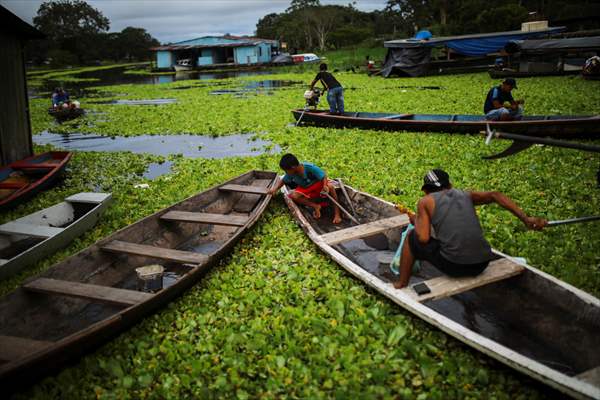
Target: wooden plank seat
(445, 286)
(102, 294)
(205, 218)
(13, 185)
(182, 257)
(14, 348)
(245, 189)
(38, 231)
(88, 197)
(364, 230)
(591, 376)
(34, 165)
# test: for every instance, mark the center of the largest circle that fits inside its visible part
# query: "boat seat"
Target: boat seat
(244, 189)
(34, 165)
(102, 294)
(205, 218)
(88, 197)
(591, 376)
(364, 230)
(38, 231)
(13, 348)
(13, 185)
(182, 257)
(445, 286)
(398, 116)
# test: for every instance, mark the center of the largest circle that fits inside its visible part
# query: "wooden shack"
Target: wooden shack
(15, 127)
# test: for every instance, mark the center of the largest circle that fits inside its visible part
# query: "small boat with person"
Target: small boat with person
(90, 297)
(65, 114)
(23, 179)
(512, 312)
(557, 126)
(30, 238)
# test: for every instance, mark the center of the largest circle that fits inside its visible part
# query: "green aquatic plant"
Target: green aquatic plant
(278, 318)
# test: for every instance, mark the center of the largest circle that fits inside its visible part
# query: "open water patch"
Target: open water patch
(259, 87)
(148, 102)
(194, 146)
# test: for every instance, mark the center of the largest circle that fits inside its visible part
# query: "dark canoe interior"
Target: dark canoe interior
(526, 313)
(451, 117)
(17, 176)
(51, 317)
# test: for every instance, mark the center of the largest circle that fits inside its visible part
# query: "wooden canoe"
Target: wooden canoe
(92, 296)
(64, 114)
(512, 312)
(29, 239)
(585, 127)
(23, 179)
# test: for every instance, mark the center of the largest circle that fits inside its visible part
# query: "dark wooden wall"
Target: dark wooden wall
(15, 130)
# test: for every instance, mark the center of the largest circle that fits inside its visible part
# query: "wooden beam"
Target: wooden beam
(13, 348)
(87, 197)
(245, 189)
(13, 185)
(364, 230)
(445, 286)
(38, 231)
(591, 376)
(205, 218)
(398, 116)
(34, 165)
(183, 257)
(102, 294)
(3, 261)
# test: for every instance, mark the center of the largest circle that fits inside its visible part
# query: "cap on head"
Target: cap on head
(511, 81)
(435, 180)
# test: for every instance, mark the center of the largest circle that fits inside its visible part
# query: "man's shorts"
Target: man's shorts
(431, 252)
(311, 192)
(497, 113)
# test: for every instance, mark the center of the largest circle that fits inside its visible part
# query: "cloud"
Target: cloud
(176, 20)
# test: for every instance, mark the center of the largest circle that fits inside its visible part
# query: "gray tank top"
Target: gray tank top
(458, 229)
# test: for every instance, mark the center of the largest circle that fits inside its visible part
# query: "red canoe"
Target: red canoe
(23, 179)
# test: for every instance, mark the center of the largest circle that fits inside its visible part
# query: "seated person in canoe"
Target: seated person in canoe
(307, 181)
(335, 91)
(495, 108)
(459, 247)
(61, 100)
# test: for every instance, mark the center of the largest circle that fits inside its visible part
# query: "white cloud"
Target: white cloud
(174, 20)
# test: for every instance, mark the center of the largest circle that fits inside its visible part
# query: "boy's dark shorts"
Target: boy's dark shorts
(431, 252)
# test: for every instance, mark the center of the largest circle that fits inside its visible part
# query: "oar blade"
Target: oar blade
(514, 148)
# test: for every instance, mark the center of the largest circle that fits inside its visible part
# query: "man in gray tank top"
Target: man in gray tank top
(456, 246)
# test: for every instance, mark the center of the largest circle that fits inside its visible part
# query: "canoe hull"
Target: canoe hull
(570, 385)
(46, 247)
(48, 176)
(584, 127)
(21, 372)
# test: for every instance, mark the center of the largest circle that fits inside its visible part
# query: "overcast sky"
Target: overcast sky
(175, 20)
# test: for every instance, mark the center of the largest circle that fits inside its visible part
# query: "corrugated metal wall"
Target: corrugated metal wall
(15, 132)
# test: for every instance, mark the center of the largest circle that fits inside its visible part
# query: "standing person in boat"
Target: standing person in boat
(335, 91)
(459, 247)
(307, 181)
(494, 108)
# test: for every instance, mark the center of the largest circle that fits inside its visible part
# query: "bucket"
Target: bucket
(150, 278)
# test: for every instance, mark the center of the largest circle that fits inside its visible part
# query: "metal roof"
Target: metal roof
(241, 41)
(440, 41)
(13, 25)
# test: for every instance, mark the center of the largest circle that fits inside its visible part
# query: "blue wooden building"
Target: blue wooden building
(216, 51)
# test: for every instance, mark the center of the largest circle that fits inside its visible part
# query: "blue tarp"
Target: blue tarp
(472, 45)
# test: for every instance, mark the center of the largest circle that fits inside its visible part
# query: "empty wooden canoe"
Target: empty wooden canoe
(512, 312)
(35, 236)
(91, 296)
(23, 179)
(558, 126)
(65, 114)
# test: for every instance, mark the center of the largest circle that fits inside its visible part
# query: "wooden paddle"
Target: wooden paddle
(574, 220)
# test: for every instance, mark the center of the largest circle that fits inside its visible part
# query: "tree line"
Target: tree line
(308, 25)
(77, 33)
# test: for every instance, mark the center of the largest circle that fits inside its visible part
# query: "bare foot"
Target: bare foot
(398, 285)
(317, 211)
(337, 219)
